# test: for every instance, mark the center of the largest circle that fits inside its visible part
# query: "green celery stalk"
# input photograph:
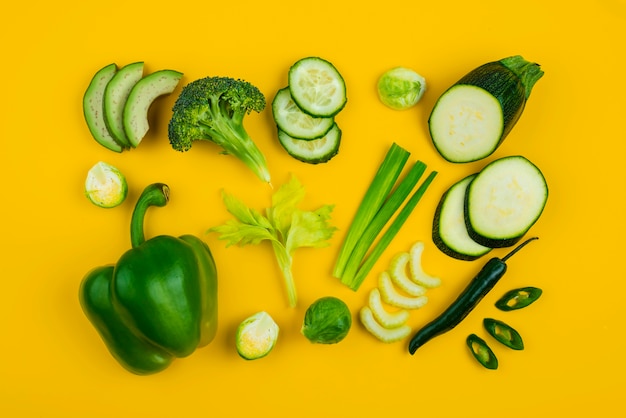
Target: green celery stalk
(381, 218)
(391, 232)
(379, 189)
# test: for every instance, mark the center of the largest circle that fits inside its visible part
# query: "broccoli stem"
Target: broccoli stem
(233, 138)
(285, 261)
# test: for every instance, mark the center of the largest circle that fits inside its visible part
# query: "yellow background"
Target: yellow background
(55, 365)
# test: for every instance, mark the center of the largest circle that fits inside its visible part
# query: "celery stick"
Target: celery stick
(379, 189)
(379, 221)
(391, 232)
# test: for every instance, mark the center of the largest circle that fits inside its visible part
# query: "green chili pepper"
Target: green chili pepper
(504, 333)
(473, 293)
(159, 302)
(481, 352)
(518, 298)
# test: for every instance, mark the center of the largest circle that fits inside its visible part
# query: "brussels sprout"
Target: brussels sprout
(327, 321)
(401, 88)
(256, 336)
(105, 185)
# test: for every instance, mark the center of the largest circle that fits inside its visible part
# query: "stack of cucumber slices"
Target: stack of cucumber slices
(493, 208)
(116, 103)
(305, 110)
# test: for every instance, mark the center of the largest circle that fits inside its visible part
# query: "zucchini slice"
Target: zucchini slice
(294, 122)
(471, 118)
(314, 151)
(141, 97)
(449, 232)
(115, 96)
(504, 200)
(93, 108)
(317, 87)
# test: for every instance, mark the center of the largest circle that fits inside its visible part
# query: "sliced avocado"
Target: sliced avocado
(93, 108)
(115, 96)
(141, 98)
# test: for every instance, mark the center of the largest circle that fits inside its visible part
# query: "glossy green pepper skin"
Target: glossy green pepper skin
(159, 301)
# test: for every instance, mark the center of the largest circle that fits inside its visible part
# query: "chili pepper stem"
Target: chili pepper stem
(156, 194)
(516, 249)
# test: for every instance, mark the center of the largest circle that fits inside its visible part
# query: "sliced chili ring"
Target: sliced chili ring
(504, 333)
(481, 352)
(518, 298)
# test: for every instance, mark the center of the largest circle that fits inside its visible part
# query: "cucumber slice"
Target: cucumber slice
(314, 151)
(317, 87)
(449, 232)
(105, 185)
(93, 108)
(504, 200)
(141, 97)
(472, 118)
(115, 96)
(294, 122)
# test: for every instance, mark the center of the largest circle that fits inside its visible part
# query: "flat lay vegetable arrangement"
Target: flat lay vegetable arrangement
(158, 302)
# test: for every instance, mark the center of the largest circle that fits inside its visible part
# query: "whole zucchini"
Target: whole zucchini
(472, 117)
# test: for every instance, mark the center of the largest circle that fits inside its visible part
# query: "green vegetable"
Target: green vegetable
(327, 321)
(141, 97)
(378, 190)
(449, 231)
(472, 117)
(213, 109)
(376, 209)
(314, 151)
(284, 225)
(116, 97)
(93, 103)
(391, 232)
(503, 201)
(105, 185)
(481, 352)
(297, 124)
(256, 336)
(473, 293)
(401, 88)
(384, 333)
(504, 333)
(518, 298)
(159, 302)
(116, 103)
(317, 87)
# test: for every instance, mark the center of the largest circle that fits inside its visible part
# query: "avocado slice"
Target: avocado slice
(115, 96)
(93, 108)
(140, 99)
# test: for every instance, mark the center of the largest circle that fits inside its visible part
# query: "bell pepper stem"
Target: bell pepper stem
(156, 194)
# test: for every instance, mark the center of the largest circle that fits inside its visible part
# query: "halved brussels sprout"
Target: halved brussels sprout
(105, 186)
(327, 321)
(256, 336)
(401, 88)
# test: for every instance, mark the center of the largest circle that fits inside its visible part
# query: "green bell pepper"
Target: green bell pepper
(159, 301)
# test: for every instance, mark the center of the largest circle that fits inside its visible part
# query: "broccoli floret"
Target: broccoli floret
(213, 109)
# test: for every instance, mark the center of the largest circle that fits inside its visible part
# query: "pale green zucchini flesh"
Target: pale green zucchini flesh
(504, 200)
(467, 124)
(449, 232)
